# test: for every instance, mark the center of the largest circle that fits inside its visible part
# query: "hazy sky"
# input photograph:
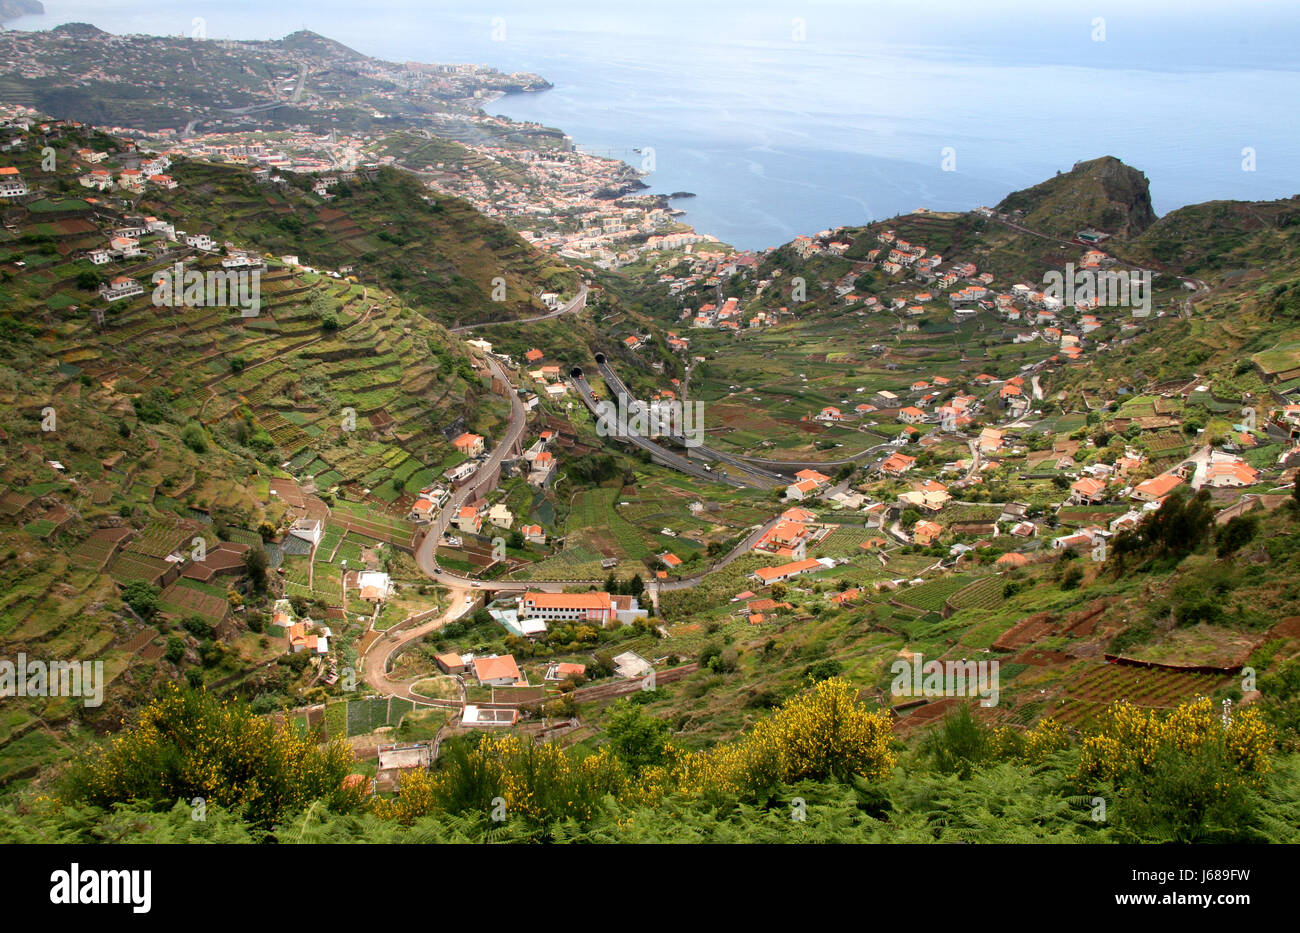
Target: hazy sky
(1165, 34)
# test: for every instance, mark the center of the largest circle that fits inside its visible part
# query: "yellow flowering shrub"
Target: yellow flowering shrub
(510, 775)
(1131, 738)
(822, 734)
(1044, 738)
(188, 744)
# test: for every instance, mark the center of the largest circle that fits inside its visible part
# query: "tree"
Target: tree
(194, 437)
(142, 598)
(255, 565)
(1237, 533)
(175, 649)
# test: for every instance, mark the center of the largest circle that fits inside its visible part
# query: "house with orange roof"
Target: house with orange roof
(1126, 465)
(800, 490)
(990, 440)
(302, 640)
(450, 663)
(120, 287)
(1088, 491)
(564, 670)
(929, 499)
(786, 538)
(423, 510)
(471, 445)
(533, 534)
(499, 671)
(11, 183)
(897, 464)
(926, 532)
(821, 479)
(848, 596)
(769, 575)
(1011, 559)
(534, 355)
(468, 520)
(1156, 488)
(374, 585)
(543, 467)
(1223, 475)
(597, 607)
(911, 415)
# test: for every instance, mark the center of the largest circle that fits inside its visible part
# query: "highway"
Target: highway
(657, 451)
(768, 473)
(757, 478)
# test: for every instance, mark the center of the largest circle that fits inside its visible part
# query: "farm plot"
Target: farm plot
(1091, 690)
(982, 594)
(930, 597)
(365, 716)
(596, 518)
(189, 597)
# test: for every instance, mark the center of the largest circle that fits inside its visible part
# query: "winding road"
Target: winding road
(577, 303)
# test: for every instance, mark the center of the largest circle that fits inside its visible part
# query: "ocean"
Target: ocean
(790, 117)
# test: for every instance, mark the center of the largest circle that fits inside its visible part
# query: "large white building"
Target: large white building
(599, 608)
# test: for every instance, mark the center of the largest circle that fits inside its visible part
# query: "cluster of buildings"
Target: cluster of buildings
(303, 634)
(728, 316)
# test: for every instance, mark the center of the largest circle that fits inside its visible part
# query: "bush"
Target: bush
(959, 745)
(1182, 776)
(189, 745)
(142, 598)
(823, 670)
(175, 649)
(1237, 533)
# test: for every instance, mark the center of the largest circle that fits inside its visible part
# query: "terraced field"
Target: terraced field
(982, 594)
(1088, 692)
(930, 597)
